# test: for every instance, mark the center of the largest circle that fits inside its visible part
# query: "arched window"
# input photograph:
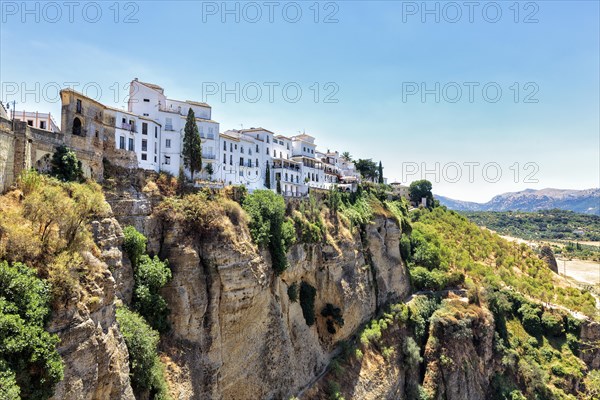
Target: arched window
(77, 127)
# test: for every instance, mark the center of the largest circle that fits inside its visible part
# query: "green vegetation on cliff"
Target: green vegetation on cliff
(446, 241)
(150, 275)
(29, 363)
(147, 372)
(44, 225)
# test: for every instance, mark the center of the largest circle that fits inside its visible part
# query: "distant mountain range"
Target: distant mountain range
(582, 201)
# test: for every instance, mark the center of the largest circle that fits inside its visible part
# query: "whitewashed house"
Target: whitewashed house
(148, 100)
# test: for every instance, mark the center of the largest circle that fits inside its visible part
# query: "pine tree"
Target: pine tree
(268, 177)
(380, 172)
(192, 145)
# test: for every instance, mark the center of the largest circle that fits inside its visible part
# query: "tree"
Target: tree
(209, 170)
(380, 172)
(268, 225)
(66, 166)
(268, 177)
(151, 274)
(134, 244)
(419, 189)
(146, 370)
(346, 156)
(30, 365)
(367, 169)
(192, 145)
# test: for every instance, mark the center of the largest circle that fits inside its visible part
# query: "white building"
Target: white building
(148, 100)
(140, 135)
(153, 128)
(35, 119)
(303, 151)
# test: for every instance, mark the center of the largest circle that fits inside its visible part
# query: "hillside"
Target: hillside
(581, 201)
(545, 225)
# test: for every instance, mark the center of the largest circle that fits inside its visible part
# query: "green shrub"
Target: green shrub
(150, 276)
(412, 352)
(134, 244)
(65, 165)
(552, 324)
(307, 302)
(29, 362)
(146, 370)
(530, 317)
(267, 211)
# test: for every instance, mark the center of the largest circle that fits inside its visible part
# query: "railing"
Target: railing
(209, 156)
(274, 166)
(128, 127)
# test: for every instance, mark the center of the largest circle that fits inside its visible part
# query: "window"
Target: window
(250, 151)
(154, 158)
(144, 157)
(30, 122)
(97, 134)
(224, 146)
(267, 138)
(156, 132)
(43, 125)
(241, 173)
(231, 147)
(235, 146)
(146, 100)
(169, 124)
(287, 146)
(144, 145)
(242, 149)
(124, 120)
(267, 151)
(257, 162)
(131, 148)
(280, 154)
(144, 128)
(78, 107)
(155, 151)
(257, 148)
(230, 159)
(241, 161)
(224, 158)
(122, 142)
(146, 115)
(167, 160)
(168, 143)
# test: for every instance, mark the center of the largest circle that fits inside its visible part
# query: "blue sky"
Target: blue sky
(367, 57)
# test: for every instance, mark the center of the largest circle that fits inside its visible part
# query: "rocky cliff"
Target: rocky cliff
(91, 345)
(235, 332)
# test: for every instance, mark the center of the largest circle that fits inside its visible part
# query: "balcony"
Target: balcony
(128, 127)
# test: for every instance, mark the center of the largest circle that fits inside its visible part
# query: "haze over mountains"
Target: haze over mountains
(585, 201)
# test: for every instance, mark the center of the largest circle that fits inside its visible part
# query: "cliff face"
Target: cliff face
(590, 339)
(237, 335)
(459, 354)
(91, 345)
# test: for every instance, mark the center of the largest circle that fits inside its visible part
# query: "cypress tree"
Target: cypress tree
(380, 172)
(192, 145)
(268, 177)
